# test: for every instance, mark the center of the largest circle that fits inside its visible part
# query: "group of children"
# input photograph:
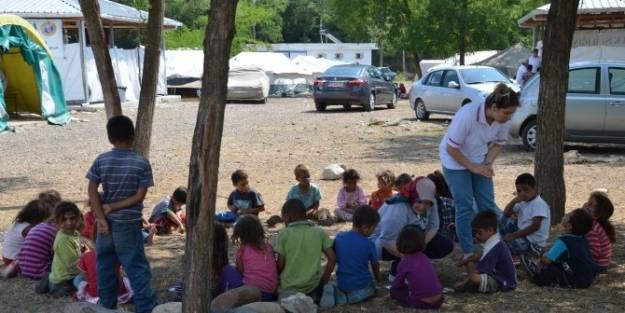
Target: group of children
(52, 242)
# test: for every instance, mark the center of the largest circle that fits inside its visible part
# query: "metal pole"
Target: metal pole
(83, 58)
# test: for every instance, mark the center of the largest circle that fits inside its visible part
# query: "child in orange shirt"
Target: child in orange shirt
(386, 181)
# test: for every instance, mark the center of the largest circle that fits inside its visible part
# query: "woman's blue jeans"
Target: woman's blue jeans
(472, 193)
(124, 244)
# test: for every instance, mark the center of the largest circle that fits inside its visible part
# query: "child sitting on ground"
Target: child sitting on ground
(445, 203)
(242, 200)
(168, 213)
(530, 230)
(66, 252)
(569, 263)
(494, 271)
(30, 216)
(354, 252)
(299, 247)
(601, 236)
(350, 197)
(386, 181)
(36, 253)
(416, 284)
(224, 276)
(305, 191)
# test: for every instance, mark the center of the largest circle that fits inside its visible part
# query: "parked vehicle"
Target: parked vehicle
(595, 105)
(353, 84)
(446, 89)
(387, 72)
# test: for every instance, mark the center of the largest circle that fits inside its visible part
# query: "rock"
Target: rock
(299, 303)
(332, 172)
(572, 157)
(169, 307)
(375, 122)
(604, 190)
(85, 307)
(234, 298)
(392, 123)
(259, 307)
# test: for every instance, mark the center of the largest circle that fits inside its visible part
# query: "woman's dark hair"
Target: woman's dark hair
(120, 128)
(238, 176)
(49, 199)
(33, 213)
(67, 207)
(442, 189)
(581, 222)
(180, 194)
(410, 240)
(603, 212)
(249, 231)
(502, 97)
(220, 250)
(350, 175)
(366, 216)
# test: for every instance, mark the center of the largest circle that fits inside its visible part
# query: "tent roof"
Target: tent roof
(276, 63)
(112, 12)
(589, 12)
(511, 56)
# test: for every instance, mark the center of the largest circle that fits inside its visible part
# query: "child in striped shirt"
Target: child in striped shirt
(601, 236)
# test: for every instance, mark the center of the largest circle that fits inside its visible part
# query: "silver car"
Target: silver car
(595, 105)
(444, 90)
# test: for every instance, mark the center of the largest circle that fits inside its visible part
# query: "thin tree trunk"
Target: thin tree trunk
(462, 45)
(381, 55)
(417, 61)
(204, 164)
(151, 62)
(91, 11)
(549, 164)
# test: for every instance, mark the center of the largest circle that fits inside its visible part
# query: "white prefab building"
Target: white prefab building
(359, 53)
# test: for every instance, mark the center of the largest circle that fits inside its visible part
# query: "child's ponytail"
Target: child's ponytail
(603, 212)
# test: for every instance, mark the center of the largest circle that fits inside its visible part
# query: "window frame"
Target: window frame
(610, 81)
(597, 81)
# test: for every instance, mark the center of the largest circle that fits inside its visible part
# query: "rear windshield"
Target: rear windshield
(482, 75)
(343, 71)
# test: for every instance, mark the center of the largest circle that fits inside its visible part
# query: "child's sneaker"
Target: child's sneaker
(273, 220)
(43, 285)
(530, 267)
(327, 298)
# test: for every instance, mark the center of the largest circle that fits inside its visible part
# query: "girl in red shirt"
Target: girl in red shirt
(602, 236)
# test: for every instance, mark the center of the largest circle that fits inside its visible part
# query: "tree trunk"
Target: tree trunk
(153, 44)
(462, 44)
(204, 164)
(549, 164)
(381, 55)
(91, 11)
(417, 61)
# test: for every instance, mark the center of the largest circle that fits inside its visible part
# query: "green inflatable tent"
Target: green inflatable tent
(31, 80)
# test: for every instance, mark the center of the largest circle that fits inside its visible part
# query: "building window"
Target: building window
(358, 55)
(321, 55)
(338, 56)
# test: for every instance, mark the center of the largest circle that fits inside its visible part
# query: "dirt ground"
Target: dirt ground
(268, 141)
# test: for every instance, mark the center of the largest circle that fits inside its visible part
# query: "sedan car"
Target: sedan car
(386, 71)
(446, 89)
(353, 84)
(595, 105)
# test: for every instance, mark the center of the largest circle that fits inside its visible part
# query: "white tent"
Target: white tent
(247, 83)
(315, 65)
(598, 53)
(184, 63)
(469, 58)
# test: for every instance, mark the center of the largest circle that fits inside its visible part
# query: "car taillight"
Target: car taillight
(356, 83)
(318, 82)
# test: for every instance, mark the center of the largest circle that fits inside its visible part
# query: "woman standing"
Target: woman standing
(467, 152)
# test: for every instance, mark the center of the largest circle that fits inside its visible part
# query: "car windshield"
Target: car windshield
(343, 71)
(482, 75)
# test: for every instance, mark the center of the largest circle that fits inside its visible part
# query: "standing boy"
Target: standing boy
(299, 247)
(125, 177)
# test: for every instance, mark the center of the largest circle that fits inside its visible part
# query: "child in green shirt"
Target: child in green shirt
(299, 247)
(66, 252)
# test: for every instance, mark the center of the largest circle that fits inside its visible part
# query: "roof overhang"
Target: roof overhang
(589, 14)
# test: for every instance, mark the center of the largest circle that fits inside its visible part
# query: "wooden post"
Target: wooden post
(151, 62)
(549, 164)
(83, 59)
(91, 11)
(204, 164)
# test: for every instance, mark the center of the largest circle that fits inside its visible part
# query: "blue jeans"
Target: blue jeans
(521, 245)
(354, 296)
(124, 244)
(469, 189)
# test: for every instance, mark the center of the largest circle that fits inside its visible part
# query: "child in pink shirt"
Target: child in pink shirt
(350, 197)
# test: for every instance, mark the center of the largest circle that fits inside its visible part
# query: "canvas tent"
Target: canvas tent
(470, 58)
(315, 65)
(285, 77)
(508, 60)
(33, 83)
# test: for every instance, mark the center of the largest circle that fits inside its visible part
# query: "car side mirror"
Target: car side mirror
(453, 84)
(386, 77)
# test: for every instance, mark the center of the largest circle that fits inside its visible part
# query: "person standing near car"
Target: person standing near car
(473, 141)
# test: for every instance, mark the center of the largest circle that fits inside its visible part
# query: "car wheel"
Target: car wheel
(421, 111)
(393, 102)
(320, 107)
(347, 106)
(264, 101)
(530, 135)
(371, 104)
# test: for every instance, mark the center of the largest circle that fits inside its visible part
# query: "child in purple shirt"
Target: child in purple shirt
(416, 284)
(350, 197)
(494, 270)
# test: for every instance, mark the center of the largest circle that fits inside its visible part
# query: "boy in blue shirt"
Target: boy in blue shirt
(125, 177)
(305, 191)
(354, 252)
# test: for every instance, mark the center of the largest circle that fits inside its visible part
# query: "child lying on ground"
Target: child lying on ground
(601, 236)
(350, 197)
(494, 270)
(168, 213)
(386, 181)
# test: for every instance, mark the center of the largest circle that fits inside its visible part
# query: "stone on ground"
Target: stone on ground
(332, 172)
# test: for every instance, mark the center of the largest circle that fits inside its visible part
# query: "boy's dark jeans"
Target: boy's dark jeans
(124, 244)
